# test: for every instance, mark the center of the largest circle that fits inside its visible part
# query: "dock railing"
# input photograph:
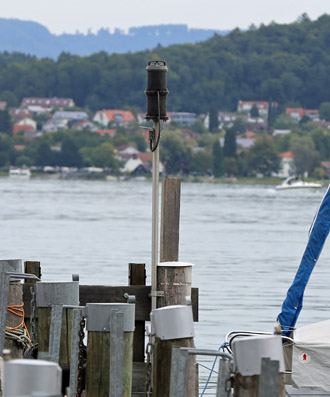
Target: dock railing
(178, 387)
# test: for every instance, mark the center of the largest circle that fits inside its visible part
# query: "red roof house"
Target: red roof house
(118, 117)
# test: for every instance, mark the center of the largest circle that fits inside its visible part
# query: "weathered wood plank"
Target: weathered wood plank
(137, 276)
(98, 364)
(140, 378)
(170, 220)
(106, 294)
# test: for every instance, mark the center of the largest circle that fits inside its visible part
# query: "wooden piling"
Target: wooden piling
(170, 220)
(14, 303)
(99, 349)
(48, 294)
(137, 276)
(174, 281)
(43, 331)
(30, 267)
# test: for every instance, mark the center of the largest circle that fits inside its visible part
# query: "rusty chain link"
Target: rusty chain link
(81, 357)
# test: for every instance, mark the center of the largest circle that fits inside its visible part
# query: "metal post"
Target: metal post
(55, 333)
(224, 381)
(116, 353)
(270, 378)
(178, 372)
(4, 291)
(77, 315)
(155, 217)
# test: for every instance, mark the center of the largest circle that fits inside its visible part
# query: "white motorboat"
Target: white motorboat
(293, 183)
(19, 173)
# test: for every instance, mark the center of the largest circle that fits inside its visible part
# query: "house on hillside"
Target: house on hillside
(323, 124)
(28, 121)
(84, 125)
(18, 114)
(41, 105)
(296, 114)
(140, 164)
(62, 120)
(72, 117)
(22, 128)
(117, 117)
(262, 106)
(243, 144)
(280, 132)
(53, 125)
(287, 166)
(182, 118)
(126, 151)
(25, 124)
(326, 166)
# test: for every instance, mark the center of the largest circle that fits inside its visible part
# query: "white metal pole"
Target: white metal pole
(155, 217)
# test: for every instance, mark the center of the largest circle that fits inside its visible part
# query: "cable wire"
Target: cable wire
(223, 347)
(152, 149)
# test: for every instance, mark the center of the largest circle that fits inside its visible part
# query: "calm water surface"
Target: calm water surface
(245, 242)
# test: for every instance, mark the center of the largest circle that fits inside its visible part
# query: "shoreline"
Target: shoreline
(190, 179)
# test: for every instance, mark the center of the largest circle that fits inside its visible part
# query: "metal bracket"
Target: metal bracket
(157, 294)
(116, 353)
(130, 298)
(4, 290)
(19, 276)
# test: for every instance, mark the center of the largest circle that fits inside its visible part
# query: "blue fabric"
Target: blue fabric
(293, 302)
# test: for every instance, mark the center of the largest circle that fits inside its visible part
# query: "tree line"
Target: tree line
(289, 64)
(179, 153)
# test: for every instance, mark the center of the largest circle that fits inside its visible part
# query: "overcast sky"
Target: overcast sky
(72, 15)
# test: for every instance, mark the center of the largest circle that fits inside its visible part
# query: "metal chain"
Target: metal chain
(32, 314)
(149, 351)
(81, 357)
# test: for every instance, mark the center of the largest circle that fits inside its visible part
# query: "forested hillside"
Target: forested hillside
(35, 39)
(289, 64)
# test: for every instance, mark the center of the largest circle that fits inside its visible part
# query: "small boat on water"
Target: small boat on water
(293, 183)
(19, 173)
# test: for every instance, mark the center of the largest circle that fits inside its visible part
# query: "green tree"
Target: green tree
(199, 127)
(239, 126)
(5, 123)
(44, 155)
(306, 158)
(10, 98)
(69, 155)
(229, 149)
(104, 156)
(217, 159)
(7, 152)
(201, 162)
(230, 166)
(321, 141)
(262, 157)
(23, 161)
(175, 152)
(254, 112)
(214, 122)
(325, 111)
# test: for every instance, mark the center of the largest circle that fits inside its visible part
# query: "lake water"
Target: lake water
(245, 242)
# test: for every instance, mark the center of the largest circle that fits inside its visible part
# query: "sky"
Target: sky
(80, 15)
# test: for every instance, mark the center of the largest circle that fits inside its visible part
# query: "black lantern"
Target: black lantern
(157, 90)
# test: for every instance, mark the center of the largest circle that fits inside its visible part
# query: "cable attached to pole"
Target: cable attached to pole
(153, 148)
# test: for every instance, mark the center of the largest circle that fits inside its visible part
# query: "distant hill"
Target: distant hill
(286, 63)
(35, 39)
